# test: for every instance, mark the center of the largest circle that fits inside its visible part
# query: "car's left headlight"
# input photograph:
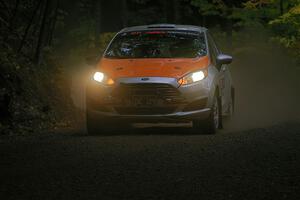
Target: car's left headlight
(193, 77)
(102, 78)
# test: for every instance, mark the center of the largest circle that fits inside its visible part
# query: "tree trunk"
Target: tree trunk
(203, 20)
(124, 13)
(14, 14)
(229, 27)
(176, 11)
(53, 24)
(98, 16)
(12, 20)
(35, 11)
(40, 44)
(229, 22)
(281, 7)
(98, 20)
(165, 10)
(6, 8)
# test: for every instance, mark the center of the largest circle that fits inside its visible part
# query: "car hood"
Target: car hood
(172, 68)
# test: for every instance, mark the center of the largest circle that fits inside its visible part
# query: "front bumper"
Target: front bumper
(174, 117)
(181, 103)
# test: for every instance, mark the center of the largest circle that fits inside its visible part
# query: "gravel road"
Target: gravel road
(168, 163)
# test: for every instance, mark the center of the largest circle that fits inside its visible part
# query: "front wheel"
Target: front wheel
(232, 106)
(213, 122)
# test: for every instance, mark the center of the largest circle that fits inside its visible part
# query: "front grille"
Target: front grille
(168, 98)
(196, 105)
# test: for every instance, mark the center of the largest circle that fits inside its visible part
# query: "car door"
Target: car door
(224, 76)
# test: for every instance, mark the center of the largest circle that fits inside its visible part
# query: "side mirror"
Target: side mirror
(224, 59)
(91, 60)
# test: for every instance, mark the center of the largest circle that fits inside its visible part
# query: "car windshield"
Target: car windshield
(157, 44)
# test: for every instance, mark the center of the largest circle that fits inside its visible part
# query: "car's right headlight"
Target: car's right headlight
(193, 77)
(102, 78)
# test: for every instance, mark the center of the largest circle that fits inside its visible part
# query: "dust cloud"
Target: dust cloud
(267, 83)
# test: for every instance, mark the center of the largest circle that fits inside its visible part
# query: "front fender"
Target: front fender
(213, 83)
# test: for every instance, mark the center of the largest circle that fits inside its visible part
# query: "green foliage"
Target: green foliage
(281, 18)
(287, 30)
(250, 15)
(288, 24)
(211, 8)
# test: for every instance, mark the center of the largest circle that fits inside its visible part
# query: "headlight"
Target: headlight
(102, 78)
(193, 77)
(99, 77)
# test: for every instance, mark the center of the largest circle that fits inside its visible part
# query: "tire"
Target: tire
(231, 109)
(232, 101)
(213, 122)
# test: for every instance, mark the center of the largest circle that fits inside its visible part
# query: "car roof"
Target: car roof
(164, 27)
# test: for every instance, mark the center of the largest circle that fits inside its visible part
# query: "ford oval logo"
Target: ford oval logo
(145, 79)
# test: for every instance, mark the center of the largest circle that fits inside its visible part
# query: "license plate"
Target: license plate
(143, 101)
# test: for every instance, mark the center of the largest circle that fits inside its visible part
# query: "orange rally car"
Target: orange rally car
(160, 73)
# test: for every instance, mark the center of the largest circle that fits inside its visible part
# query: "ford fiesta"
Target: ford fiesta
(160, 73)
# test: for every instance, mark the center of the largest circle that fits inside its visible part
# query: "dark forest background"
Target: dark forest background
(44, 41)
